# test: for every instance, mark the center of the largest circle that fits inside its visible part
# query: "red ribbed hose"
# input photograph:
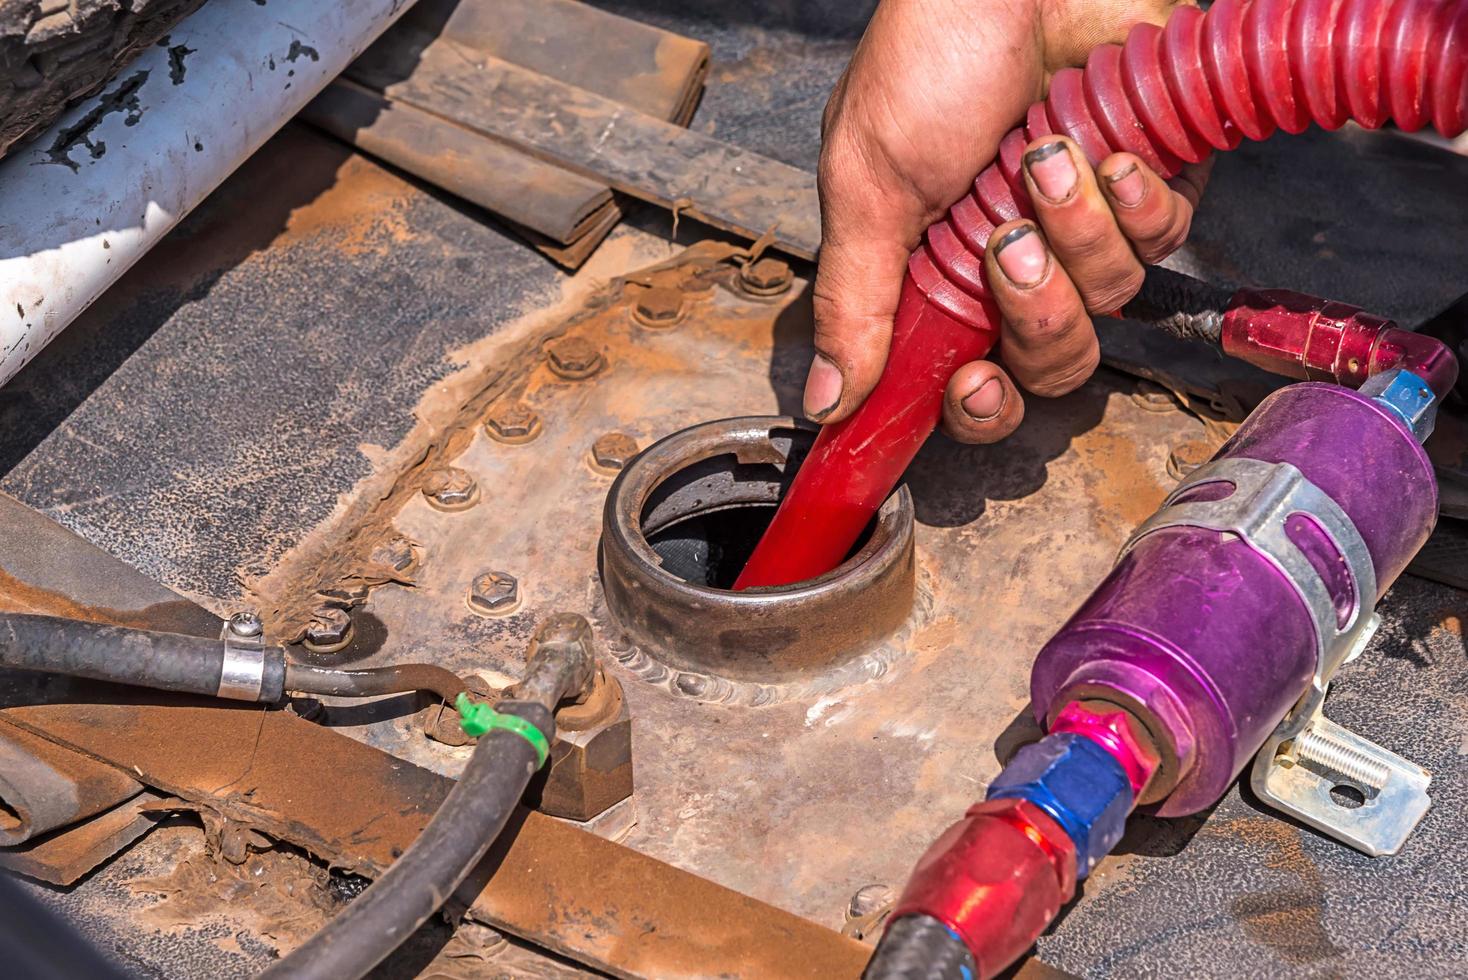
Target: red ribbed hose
(1170, 95)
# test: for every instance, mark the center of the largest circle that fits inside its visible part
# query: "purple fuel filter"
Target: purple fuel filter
(1256, 574)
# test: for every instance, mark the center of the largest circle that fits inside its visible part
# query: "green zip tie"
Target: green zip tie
(476, 719)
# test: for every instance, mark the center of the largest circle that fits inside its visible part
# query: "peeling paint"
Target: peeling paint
(122, 99)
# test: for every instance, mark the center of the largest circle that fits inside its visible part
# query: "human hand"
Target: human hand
(932, 89)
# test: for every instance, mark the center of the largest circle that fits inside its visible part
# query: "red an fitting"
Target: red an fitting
(997, 878)
(1313, 339)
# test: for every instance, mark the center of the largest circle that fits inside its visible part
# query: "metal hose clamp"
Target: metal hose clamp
(242, 674)
(1308, 758)
(1265, 497)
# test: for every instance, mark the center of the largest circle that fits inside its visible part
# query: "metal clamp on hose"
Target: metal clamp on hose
(1309, 767)
(242, 674)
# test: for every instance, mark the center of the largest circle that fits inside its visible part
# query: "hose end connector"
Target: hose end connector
(1409, 396)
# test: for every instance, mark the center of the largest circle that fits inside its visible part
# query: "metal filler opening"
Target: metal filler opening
(679, 523)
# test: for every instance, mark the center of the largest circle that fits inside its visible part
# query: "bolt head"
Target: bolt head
(1186, 457)
(329, 628)
(1152, 397)
(766, 277)
(574, 358)
(494, 593)
(397, 553)
(451, 488)
(868, 900)
(659, 306)
(613, 451)
(246, 623)
(512, 422)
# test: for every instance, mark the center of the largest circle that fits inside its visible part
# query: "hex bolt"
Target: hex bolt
(1186, 457)
(613, 451)
(1152, 397)
(574, 358)
(246, 624)
(766, 277)
(451, 489)
(330, 629)
(658, 307)
(512, 423)
(494, 594)
(397, 552)
(347, 596)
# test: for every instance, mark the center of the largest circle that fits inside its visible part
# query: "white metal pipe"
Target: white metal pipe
(84, 201)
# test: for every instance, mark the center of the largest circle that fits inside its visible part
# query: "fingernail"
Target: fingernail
(985, 403)
(1127, 186)
(1053, 170)
(822, 388)
(1022, 257)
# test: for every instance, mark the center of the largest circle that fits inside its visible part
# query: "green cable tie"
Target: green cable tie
(477, 718)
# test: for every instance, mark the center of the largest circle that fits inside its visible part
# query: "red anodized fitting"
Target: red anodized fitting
(997, 878)
(1170, 95)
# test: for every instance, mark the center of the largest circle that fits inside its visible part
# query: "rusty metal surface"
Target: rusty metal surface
(760, 646)
(44, 787)
(650, 70)
(63, 857)
(587, 133)
(892, 760)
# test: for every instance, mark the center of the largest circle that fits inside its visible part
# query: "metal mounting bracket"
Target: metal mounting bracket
(1334, 780)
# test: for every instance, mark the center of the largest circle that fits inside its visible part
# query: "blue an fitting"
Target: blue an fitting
(1406, 394)
(1076, 782)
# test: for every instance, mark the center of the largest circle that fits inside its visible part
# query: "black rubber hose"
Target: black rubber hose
(378, 921)
(165, 661)
(919, 947)
(373, 681)
(1181, 305)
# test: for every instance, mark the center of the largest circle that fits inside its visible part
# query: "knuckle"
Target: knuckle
(1068, 377)
(1112, 290)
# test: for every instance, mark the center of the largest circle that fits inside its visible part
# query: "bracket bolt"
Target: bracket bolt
(766, 277)
(1152, 397)
(512, 423)
(246, 624)
(613, 451)
(329, 630)
(397, 553)
(658, 307)
(494, 594)
(451, 489)
(1186, 457)
(574, 358)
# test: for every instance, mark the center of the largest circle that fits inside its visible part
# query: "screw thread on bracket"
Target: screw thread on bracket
(1341, 759)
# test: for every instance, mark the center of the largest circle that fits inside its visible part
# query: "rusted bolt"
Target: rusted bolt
(512, 423)
(397, 552)
(1153, 397)
(574, 358)
(330, 629)
(1188, 456)
(658, 307)
(451, 489)
(246, 624)
(766, 277)
(613, 451)
(494, 594)
(346, 596)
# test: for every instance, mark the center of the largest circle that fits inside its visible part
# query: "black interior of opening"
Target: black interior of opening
(711, 549)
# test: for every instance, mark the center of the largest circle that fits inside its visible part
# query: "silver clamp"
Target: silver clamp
(1310, 767)
(242, 675)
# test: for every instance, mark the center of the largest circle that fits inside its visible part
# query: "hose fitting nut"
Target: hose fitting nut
(1410, 397)
(1077, 783)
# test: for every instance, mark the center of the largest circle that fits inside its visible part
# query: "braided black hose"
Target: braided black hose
(919, 947)
(1181, 305)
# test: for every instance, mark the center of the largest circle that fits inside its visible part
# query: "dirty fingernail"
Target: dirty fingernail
(1053, 170)
(822, 388)
(985, 402)
(1127, 186)
(1021, 256)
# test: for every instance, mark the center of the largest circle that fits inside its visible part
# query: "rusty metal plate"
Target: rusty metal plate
(798, 804)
